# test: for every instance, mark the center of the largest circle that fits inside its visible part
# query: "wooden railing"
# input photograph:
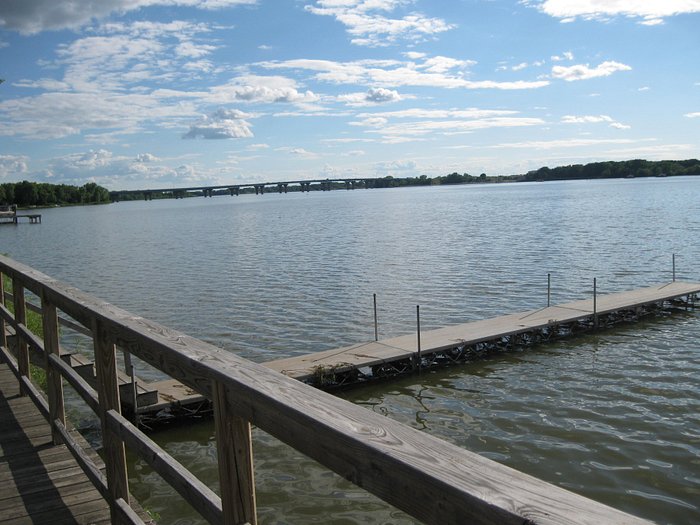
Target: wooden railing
(428, 478)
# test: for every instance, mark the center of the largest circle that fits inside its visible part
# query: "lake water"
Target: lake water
(614, 416)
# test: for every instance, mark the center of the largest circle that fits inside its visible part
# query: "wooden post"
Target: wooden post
(376, 329)
(54, 381)
(108, 394)
(418, 334)
(595, 302)
(129, 369)
(549, 289)
(235, 451)
(3, 335)
(21, 317)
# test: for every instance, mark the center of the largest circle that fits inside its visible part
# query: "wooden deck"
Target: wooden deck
(39, 482)
(404, 348)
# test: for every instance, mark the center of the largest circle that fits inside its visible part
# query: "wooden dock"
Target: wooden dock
(39, 482)
(397, 355)
(433, 481)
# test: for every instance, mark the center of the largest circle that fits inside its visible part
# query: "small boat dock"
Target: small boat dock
(409, 353)
(8, 215)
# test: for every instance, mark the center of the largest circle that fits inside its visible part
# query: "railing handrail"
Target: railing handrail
(430, 479)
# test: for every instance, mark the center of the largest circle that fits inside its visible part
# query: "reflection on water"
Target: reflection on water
(613, 416)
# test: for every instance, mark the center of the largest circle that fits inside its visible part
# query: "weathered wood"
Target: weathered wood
(108, 395)
(235, 459)
(54, 383)
(83, 459)
(20, 318)
(202, 498)
(39, 482)
(3, 335)
(81, 386)
(431, 480)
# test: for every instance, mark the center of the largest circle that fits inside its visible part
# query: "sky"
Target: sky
(137, 94)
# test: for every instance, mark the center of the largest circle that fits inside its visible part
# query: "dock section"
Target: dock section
(402, 354)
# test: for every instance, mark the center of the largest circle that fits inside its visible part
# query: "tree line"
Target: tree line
(617, 170)
(27, 193)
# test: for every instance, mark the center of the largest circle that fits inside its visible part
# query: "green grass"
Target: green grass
(35, 325)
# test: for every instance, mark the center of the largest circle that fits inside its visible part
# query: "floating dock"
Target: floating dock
(162, 402)
(408, 353)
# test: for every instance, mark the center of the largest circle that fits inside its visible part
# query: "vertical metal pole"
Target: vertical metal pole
(418, 334)
(595, 302)
(674, 267)
(549, 289)
(129, 368)
(376, 330)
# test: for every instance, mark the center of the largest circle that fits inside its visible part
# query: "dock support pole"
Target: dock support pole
(674, 267)
(376, 330)
(595, 302)
(549, 289)
(129, 369)
(418, 355)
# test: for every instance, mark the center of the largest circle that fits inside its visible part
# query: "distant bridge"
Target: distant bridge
(259, 187)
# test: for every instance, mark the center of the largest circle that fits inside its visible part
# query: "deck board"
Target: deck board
(400, 348)
(39, 482)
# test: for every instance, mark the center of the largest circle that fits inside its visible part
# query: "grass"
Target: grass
(35, 325)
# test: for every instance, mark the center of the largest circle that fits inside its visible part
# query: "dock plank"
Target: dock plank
(39, 482)
(394, 349)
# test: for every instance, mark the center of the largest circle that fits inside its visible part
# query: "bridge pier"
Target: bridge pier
(234, 190)
(259, 189)
(282, 186)
(305, 186)
(147, 196)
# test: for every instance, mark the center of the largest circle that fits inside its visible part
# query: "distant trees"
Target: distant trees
(27, 193)
(621, 169)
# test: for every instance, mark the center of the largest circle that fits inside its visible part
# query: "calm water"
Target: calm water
(613, 416)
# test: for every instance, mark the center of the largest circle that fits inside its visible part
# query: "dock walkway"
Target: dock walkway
(398, 354)
(39, 482)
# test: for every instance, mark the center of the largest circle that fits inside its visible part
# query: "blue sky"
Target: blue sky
(165, 93)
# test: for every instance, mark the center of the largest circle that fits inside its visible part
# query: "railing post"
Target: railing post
(108, 394)
(235, 452)
(54, 381)
(674, 267)
(3, 335)
(21, 317)
(595, 302)
(376, 328)
(549, 289)
(418, 354)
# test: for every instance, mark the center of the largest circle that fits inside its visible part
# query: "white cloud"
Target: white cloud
(298, 152)
(34, 16)
(432, 72)
(561, 143)
(649, 12)
(13, 165)
(125, 172)
(417, 124)
(259, 89)
(693, 115)
(222, 124)
(365, 24)
(566, 55)
(371, 97)
(584, 72)
(593, 119)
(644, 88)
(56, 115)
